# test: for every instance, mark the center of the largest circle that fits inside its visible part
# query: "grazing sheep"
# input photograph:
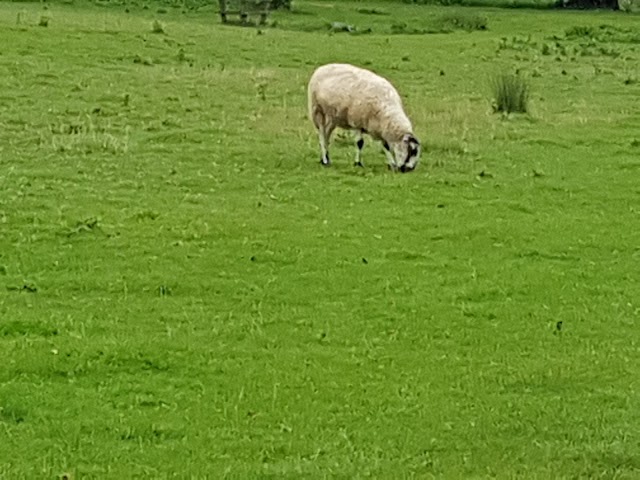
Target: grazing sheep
(352, 98)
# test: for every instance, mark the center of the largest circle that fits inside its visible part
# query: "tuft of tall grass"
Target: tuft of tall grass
(372, 11)
(463, 21)
(158, 27)
(511, 93)
(83, 136)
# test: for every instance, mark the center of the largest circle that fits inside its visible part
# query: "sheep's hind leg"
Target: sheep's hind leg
(324, 147)
(359, 145)
(324, 135)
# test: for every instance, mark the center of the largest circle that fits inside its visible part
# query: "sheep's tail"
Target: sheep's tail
(310, 101)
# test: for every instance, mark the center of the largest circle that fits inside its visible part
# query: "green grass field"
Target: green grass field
(185, 292)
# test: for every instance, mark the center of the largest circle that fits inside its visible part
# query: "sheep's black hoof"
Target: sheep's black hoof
(358, 164)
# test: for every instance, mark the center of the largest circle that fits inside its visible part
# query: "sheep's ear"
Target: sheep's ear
(411, 140)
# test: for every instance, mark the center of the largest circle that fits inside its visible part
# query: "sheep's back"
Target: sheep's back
(351, 95)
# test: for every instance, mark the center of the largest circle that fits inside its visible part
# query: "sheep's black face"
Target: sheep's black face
(408, 155)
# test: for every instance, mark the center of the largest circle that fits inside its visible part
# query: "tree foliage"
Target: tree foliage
(588, 4)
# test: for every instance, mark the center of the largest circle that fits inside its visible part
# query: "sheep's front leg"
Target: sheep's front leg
(391, 162)
(359, 145)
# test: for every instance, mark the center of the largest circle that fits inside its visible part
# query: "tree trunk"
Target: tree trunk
(223, 10)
